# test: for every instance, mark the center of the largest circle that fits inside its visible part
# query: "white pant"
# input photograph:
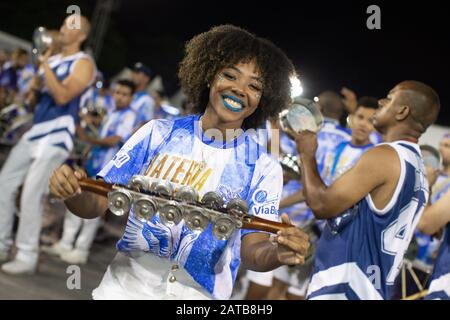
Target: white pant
(298, 278)
(86, 227)
(28, 163)
(260, 278)
(147, 277)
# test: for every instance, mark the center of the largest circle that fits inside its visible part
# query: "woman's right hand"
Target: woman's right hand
(64, 182)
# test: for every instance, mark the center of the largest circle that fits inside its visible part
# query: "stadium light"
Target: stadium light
(296, 87)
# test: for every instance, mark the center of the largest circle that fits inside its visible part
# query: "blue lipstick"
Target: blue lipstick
(230, 107)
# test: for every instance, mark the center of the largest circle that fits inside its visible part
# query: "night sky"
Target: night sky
(328, 41)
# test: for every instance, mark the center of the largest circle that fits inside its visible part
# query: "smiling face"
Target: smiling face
(235, 92)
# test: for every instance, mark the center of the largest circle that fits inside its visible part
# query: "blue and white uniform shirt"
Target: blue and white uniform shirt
(298, 213)
(179, 152)
(344, 157)
(54, 124)
(375, 137)
(362, 258)
(92, 98)
(144, 106)
(328, 138)
(429, 245)
(9, 76)
(440, 279)
(116, 123)
(25, 76)
(441, 187)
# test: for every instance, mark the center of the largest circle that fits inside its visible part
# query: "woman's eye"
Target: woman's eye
(255, 87)
(228, 76)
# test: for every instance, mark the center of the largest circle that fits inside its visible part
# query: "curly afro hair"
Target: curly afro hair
(224, 46)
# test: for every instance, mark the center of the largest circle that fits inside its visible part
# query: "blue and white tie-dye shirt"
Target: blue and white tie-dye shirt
(178, 151)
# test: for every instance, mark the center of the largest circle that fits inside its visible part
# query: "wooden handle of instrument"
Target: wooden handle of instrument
(96, 186)
(256, 223)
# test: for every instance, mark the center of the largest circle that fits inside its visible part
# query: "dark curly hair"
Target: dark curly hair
(224, 46)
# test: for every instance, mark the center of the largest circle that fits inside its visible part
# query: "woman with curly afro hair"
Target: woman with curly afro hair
(209, 62)
(235, 81)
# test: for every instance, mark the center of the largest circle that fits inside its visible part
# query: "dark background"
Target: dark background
(327, 40)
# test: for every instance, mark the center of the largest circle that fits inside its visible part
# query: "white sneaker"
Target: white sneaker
(19, 267)
(76, 256)
(57, 249)
(4, 256)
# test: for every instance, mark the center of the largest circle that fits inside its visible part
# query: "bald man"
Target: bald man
(372, 209)
(66, 76)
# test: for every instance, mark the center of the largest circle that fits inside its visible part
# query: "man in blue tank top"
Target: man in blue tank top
(372, 209)
(45, 146)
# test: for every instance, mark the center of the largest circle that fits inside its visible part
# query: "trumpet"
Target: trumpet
(146, 198)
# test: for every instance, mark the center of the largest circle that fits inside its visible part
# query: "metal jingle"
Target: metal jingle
(162, 187)
(144, 208)
(138, 183)
(196, 220)
(187, 194)
(302, 115)
(237, 207)
(171, 214)
(119, 202)
(305, 115)
(223, 227)
(212, 200)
